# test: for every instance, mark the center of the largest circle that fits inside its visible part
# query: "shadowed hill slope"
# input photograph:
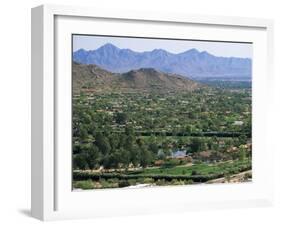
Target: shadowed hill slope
(91, 78)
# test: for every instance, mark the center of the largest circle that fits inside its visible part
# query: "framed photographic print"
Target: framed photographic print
(136, 112)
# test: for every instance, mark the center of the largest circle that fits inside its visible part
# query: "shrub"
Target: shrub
(148, 180)
(160, 182)
(247, 176)
(140, 180)
(132, 181)
(188, 181)
(183, 162)
(123, 183)
(87, 184)
(227, 177)
(104, 183)
(110, 183)
(194, 173)
(197, 162)
(171, 163)
(177, 182)
(113, 180)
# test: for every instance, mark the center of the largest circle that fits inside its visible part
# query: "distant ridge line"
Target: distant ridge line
(192, 62)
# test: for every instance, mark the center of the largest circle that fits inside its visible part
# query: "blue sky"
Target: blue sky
(225, 49)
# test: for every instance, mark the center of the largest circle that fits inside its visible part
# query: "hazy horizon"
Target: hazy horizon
(223, 49)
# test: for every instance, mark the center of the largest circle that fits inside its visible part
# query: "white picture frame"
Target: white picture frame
(52, 197)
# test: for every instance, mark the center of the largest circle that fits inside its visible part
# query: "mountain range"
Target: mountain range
(92, 78)
(191, 63)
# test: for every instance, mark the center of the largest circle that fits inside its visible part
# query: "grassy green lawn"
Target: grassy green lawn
(198, 169)
(188, 174)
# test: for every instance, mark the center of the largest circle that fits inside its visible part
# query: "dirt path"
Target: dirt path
(236, 178)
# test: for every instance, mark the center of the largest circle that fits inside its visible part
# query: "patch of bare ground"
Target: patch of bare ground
(245, 176)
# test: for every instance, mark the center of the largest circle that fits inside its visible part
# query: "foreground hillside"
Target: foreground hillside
(91, 78)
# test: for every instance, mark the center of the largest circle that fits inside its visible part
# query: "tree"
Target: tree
(194, 173)
(242, 139)
(129, 130)
(241, 153)
(126, 157)
(83, 133)
(135, 155)
(145, 157)
(128, 145)
(76, 149)
(93, 157)
(197, 144)
(188, 129)
(80, 162)
(121, 118)
(106, 161)
(102, 143)
(180, 143)
(113, 141)
(153, 147)
(139, 142)
(114, 159)
(166, 149)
